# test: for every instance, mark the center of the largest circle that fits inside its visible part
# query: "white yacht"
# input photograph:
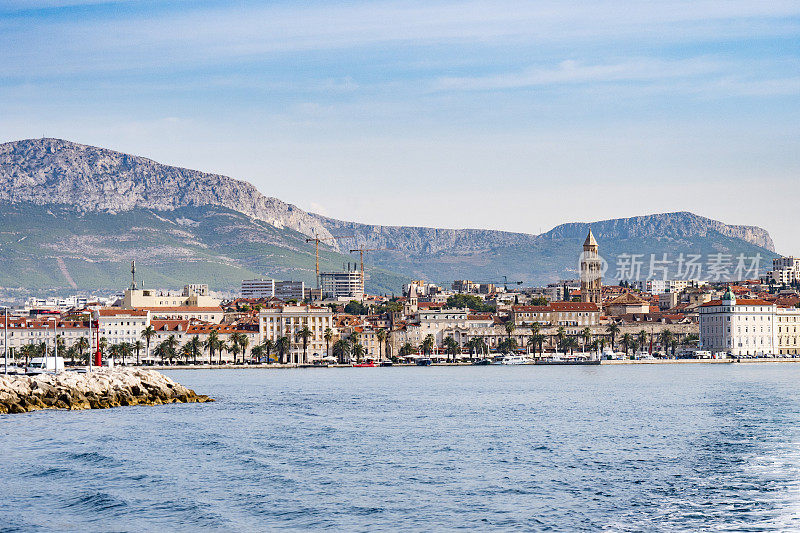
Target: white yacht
(516, 360)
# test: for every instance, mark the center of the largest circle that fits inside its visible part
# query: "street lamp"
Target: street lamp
(5, 343)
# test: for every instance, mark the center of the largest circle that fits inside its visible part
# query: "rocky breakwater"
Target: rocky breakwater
(99, 389)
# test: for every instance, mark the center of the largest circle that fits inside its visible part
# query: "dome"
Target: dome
(729, 297)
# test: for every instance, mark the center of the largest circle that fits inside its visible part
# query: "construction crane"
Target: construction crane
(361, 251)
(316, 240)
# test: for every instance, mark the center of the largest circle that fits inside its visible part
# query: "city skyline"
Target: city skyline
(541, 113)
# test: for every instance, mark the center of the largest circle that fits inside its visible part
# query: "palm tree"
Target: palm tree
(171, 344)
(138, 345)
(147, 334)
(560, 334)
(304, 334)
(244, 342)
(627, 342)
(28, 351)
(406, 349)
(665, 338)
(586, 335)
(195, 345)
(427, 345)
(613, 330)
(213, 343)
(358, 351)
(532, 340)
(452, 347)
(341, 350)
(269, 346)
(381, 336)
(570, 343)
(510, 327)
(82, 345)
(642, 338)
(328, 336)
(125, 351)
(103, 344)
(284, 345)
(256, 352)
(233, 348)
(112, 352)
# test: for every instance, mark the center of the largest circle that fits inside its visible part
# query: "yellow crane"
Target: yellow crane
(361, 251)
(316, 240)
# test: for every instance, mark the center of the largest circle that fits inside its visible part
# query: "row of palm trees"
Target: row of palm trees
(536, 340)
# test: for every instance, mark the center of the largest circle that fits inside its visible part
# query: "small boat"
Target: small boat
(363, 365)
(482, 362)
(424, 362)
(385, 363)
(516, 360)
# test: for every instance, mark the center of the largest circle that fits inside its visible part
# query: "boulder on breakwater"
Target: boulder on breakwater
(99, 389)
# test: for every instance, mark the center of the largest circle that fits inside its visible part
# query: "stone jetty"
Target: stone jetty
(99, 389)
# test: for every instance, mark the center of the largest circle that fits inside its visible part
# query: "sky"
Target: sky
(507, 115)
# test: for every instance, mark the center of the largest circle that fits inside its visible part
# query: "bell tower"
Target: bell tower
(591, 271)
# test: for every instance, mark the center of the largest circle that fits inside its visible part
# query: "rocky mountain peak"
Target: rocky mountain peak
(55, 171)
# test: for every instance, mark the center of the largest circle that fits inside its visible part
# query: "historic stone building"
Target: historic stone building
(591, 272)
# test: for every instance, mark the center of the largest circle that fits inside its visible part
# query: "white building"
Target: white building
(785, 270)
(258, 288)
(348, 285)
(194, 295)
(288, 320)
(121, 325)
(738, 327)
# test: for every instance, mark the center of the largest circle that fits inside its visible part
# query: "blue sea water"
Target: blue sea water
(616, 448)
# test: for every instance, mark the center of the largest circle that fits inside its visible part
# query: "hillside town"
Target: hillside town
(287, 323)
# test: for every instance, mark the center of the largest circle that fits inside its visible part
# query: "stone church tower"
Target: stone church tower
(591, 272)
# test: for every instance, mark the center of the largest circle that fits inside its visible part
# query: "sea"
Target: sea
(683, 447)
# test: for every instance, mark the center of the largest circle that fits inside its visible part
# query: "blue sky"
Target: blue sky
(508, 115)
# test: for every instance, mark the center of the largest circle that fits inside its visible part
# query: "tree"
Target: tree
(586, 335)
(357, 350)
(328, 336)
(103, 344)
(244, 342)
(82, 345)
(627, 342)
(112, 352)
(560, 335)
(406, 350)
(381, 336)
(171, 345)
(354, 307)
(507, 345)
(256, 352)
(284, 346)
(213, 343)
(234, 348)
(642, 339)
(341, 350)
(570, 343)
(451, 347)
(147, 334)
(460, 301)
(427, 345)
(510, 327)
(304, 334)
(665, 338)
(138, 345)
(269, 347)
(613, 330)
(125, 351)
(195, 347)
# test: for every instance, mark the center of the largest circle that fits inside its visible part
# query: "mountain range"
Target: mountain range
(73, 217)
